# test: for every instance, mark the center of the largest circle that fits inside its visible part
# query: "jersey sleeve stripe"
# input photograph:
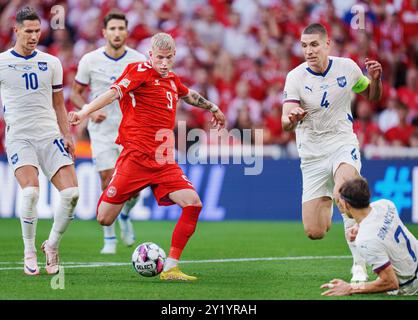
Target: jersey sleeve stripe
(381, 268)
(58, 86)
(80, 83)
(115, 86)
(292, 100)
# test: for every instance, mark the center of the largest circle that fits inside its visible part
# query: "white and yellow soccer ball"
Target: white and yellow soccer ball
(148, 259)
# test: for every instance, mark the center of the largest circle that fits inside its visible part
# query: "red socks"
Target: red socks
(183, 230)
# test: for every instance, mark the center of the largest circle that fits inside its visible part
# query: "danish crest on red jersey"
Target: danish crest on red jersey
(111, 192)
(173, 85)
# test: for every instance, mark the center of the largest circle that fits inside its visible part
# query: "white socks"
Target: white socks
(29, 217)
(63, 215)
(357, 258)
(170, 263)
(109, 233)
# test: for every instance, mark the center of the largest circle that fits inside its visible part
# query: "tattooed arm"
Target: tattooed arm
(195, 99)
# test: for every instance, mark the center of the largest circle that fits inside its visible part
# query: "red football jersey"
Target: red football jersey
(148, 102)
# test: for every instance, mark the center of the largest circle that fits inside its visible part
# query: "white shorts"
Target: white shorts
(106, 158)
(318, 173)
(48, 155)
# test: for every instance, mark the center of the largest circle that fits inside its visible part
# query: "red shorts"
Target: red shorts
(133, 173)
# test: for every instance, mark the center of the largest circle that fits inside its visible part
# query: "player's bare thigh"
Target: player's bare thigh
(105, 177)
(108, 212)
(185, 197)
(343, 173)
(316, 217)
(65, 178)
(27, 176)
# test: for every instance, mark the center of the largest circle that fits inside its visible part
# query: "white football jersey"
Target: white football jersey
(327, 99)
(98, 70)
(383, 239)
(26, 87)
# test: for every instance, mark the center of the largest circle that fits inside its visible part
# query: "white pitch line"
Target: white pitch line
(71, 265)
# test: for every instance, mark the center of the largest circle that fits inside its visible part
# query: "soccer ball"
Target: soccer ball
(148, 259)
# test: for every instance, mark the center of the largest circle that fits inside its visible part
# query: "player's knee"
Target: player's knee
(194, 201)
(69, 199)
(103, 219)
(30, 197)
(191, 200)
(315, 234)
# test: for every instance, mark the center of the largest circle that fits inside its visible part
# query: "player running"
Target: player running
(37, 135)
(98, 70)
(318, 105)
(383, 241)
(148, 93)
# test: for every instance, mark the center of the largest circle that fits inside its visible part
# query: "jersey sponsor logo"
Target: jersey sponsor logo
(324, 86)
(111, 192)
(307, 88)
(342, 81)
(14, 158)
(125, 83)
(43, 66)
(12, 66)
(26, 68)
(156, 82)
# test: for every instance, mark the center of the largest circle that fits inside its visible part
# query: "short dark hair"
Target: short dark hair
(114, 15)
(356, 192)
(315, 28)
(26, 13)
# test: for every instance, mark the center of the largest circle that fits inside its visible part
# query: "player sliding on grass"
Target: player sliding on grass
(37, 135)
(318, 105)
(148, 93)
(382, 240)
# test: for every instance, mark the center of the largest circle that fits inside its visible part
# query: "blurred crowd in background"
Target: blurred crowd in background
(237, 53)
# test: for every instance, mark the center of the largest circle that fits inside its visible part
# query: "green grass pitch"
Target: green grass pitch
(295, 271)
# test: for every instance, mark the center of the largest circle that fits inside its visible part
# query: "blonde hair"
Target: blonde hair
(162, 41)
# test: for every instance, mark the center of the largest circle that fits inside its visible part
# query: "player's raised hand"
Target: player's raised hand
(374, 69)
(69, 145)
(98, 116)
(296, 115)
(218, 119)
(336, 287)
(75, 117)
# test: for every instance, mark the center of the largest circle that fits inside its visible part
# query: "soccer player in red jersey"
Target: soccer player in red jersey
(148, 93)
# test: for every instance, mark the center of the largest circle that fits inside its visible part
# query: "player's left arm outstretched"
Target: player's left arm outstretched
(374, 90)
(195, 99)
(386, 281)
(58, 103)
